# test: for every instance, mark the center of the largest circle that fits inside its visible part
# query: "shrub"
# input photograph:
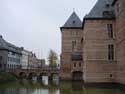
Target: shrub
(5, 77)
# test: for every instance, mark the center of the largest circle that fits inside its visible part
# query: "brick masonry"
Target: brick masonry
(96, 66)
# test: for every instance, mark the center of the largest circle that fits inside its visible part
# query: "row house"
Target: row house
(13, 57)
(10, 55)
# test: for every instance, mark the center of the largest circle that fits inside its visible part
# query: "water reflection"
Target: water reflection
(28, 91)
(56, 80)
(55, 87)
(34, 78)
(77, 87)
(45, 80)
(41, 91)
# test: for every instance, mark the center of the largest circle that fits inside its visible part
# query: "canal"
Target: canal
(55, 87)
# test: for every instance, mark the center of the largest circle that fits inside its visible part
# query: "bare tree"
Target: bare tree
(52, 58)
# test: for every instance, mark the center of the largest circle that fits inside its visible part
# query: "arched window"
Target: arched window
(74, 64)
(82, 40)
(79, 64)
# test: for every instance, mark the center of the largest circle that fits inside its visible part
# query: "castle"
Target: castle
(93, 50)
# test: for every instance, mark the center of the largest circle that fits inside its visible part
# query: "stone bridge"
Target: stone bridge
(29, 73)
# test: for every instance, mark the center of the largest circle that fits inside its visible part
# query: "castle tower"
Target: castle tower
(71, 56)
(120, 38)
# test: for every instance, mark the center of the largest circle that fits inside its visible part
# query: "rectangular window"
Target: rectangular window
(76, 34)
(0, 65)
(0, 61)
(0, 58)
(77, 56)
(73, 45)
(111, 52)
(13, 53)
(117, 8)
(110, 30)
(70, 33)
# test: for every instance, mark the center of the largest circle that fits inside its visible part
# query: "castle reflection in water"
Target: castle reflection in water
(28, 91)
(55, 87)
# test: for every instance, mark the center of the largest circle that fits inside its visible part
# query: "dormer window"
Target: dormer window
(107, 5)
(74, 22)
(107, 13)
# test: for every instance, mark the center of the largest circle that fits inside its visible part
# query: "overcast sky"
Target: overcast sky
(34, 24)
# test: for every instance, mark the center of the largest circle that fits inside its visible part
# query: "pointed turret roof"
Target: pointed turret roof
(73, 22)
(102, 9)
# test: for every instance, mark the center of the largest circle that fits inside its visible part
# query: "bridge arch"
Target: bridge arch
(32, 74)
(22, 75)
(26, 74)
(77, 75)
(43, 74)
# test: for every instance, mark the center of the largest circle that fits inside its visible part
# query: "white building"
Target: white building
(25, 58)
(14, 60)
(10, 55)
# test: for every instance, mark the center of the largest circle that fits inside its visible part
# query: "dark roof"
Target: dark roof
(102, 9)
(73, 22)
(8, 46)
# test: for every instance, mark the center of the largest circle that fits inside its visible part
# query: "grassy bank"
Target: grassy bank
(6, 77)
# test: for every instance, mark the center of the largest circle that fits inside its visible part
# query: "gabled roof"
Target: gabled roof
(102, 9)
(73, 22)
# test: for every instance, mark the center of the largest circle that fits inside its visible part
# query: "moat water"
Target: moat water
(55, 87)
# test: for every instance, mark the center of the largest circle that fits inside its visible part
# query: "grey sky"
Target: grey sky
(34, 24)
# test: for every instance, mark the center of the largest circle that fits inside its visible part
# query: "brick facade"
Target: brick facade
(97, 66)
(67, 65)
(120, 39)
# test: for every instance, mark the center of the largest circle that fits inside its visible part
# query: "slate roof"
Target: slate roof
(102, 9)
(73, 22)
(8, 46)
